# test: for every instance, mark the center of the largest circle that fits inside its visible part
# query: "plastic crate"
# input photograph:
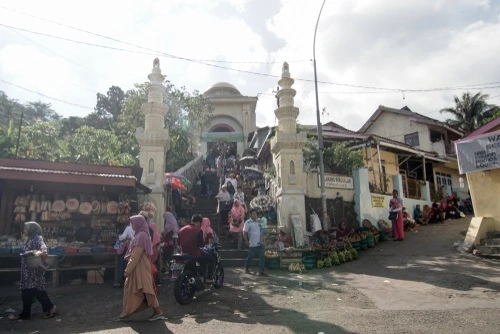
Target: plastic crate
(56, 250)
(273, 264)
(17, 250)
(70, 250)
(98, 249)
(5, 250)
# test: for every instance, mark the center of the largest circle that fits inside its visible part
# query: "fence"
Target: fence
(412, 188)
(380, 183)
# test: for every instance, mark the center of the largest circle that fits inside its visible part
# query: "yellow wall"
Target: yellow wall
(484, 188)
(390, 162)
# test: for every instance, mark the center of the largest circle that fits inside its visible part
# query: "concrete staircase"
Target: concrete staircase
(230, 255)
(490, 247)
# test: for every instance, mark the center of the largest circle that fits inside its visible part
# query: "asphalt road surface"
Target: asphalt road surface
(420, 285)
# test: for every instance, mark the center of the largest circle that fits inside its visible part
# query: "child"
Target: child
(263, 226)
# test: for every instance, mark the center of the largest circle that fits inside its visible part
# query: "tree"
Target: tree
(338, 158)
(110, 105)
(39, 112)
(470, 111)
(96, 146)
(40, 141)
(186, 111)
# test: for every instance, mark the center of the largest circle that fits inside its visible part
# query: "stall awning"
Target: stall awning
(41, 171)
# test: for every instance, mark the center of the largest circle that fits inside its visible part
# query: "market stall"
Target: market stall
(81, 209)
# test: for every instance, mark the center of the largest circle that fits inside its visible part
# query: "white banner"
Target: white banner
(336, 181)
(479, 153)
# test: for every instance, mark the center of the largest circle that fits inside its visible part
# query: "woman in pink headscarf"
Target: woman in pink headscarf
(396, 206)
(208, 232)
(139, 292)
(236, 221)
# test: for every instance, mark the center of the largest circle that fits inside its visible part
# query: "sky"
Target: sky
(415, 53)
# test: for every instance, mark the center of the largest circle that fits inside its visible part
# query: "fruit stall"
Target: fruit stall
(80, 208)
(332, 253)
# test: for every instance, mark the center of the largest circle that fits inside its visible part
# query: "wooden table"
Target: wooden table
(67, 262)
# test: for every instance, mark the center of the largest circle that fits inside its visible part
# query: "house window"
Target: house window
(292, 167)
(435, 136)
(412, 139)
(443, 179)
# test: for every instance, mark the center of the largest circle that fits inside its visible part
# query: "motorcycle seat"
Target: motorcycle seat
(183, 257)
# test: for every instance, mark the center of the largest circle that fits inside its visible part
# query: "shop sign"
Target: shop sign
(479, 153)
(336, 181)
(378, 201)
(227, 136)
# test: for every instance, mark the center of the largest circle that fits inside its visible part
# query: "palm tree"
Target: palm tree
(471, 111)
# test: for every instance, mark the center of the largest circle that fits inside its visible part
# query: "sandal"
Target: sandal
(52, 313)
(155, 317)
(118, 319)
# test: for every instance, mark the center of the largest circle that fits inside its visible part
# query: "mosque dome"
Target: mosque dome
(222, 89)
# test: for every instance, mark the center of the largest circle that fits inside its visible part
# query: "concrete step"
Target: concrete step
(493, 235)
(489, 250)
(490, 242)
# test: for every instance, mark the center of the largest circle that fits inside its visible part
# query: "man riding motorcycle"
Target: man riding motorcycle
(191, 243)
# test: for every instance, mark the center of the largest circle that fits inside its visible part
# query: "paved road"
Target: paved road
(420, 285)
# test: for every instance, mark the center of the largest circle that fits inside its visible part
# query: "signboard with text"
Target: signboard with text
(378, 201)
(479, 153)
(227, 136)
(337, 181)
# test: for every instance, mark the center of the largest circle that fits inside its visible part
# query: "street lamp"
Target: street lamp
(320, 128)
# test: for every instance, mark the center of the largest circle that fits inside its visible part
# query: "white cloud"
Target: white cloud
(404, 45)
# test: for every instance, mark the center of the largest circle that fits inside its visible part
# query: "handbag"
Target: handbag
(393, 215)
(120, 246)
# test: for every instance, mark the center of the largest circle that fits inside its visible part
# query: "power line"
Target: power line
(145, 48)
(63, 57)
(159, 53)
(47, 96)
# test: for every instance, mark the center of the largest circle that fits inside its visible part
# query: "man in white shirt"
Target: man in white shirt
(127, 235)
(251, 234)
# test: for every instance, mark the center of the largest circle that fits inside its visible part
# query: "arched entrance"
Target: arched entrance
(219, 143)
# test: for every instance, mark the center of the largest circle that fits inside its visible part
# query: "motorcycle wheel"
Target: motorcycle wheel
(183, 291)
(219, 276)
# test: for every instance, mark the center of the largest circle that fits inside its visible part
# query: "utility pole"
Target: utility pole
(19, 134)
(320, 127)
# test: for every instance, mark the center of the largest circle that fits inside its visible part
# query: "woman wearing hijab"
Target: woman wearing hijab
(396, 206)
(224, 205)
(33, 280)
(170, 230)
(139, 292)
(208, 232)
(237, 221)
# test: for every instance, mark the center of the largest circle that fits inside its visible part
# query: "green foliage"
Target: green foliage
(105, 136)
(338, 158)
(95, 146)
(471, 111)
(40, 141)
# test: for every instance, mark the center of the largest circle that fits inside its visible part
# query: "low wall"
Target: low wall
(313, 190)
(376, 206)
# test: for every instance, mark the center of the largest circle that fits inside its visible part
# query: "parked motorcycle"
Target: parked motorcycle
(189, 277)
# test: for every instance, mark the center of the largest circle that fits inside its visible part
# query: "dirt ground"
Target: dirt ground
(420, 285)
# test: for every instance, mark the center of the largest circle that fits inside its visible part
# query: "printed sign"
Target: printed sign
(228, 136)
(378, 201)
(336, 181)
(479, 153)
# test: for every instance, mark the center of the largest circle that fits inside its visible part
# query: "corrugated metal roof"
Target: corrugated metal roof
(63, 172)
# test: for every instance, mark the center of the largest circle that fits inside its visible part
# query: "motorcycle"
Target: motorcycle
(189, 277)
